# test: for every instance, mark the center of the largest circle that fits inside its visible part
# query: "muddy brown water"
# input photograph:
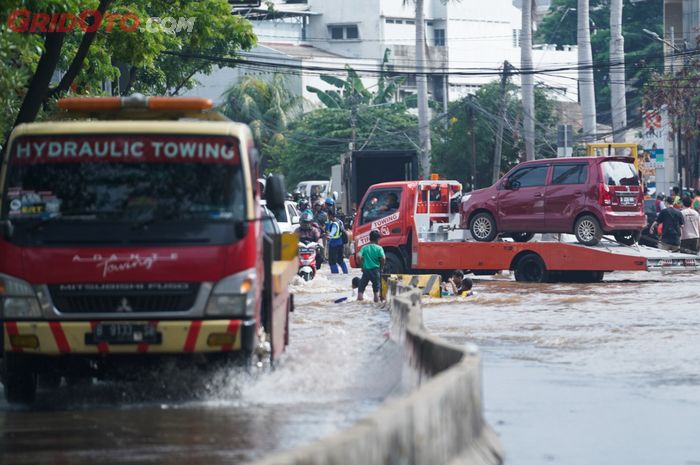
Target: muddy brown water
(605, 373)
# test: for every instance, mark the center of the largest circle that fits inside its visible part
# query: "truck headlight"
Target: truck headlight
(234, 296)
(17, 299)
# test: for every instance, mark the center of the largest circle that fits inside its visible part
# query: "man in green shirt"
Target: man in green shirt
(372, 259)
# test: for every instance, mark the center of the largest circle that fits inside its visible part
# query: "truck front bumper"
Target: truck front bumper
(173, 337)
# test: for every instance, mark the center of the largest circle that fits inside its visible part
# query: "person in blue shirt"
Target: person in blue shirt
(334, 232)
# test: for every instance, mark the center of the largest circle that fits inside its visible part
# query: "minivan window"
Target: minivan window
(570, 174)
(619, 173)
(528, 177)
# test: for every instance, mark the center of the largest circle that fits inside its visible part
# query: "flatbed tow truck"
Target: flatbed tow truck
(423, 235)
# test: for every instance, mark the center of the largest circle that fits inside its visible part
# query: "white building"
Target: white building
(468, 41)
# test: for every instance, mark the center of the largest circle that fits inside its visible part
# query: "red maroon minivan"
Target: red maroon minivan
(586, 196)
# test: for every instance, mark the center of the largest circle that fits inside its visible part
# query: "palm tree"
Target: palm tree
(422, 89)
(266, 105)
(585, 73)
(618, 102)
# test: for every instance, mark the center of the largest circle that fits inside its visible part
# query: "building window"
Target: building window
(429, 23)
(516, 38)
(390, 21)
(439, 35)
(336, 32)
(410, 21)
(350, 32)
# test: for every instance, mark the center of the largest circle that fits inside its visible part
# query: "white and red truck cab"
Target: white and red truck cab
(420, 225)
(130, 230)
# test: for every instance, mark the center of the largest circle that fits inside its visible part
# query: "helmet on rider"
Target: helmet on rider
(322, 218)
(305, 220)
(303, 205)
(330, 202)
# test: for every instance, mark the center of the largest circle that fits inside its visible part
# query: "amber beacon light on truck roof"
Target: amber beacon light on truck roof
(137, 104)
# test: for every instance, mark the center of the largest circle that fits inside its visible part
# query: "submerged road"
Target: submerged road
(338, 368)
(581, 374)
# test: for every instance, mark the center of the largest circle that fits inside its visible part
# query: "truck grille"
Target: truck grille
(124, 297)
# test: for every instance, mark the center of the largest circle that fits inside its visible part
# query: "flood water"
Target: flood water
(339, 367)
(605, 373)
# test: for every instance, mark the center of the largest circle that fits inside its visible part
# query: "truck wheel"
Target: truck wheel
(531, 269)
(49, 381)
(587, 230)
(394, 264)
(19, 379)
(522, 237)
(627, 237)
(483, 227)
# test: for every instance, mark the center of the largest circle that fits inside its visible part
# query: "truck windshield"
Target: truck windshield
(133, 189)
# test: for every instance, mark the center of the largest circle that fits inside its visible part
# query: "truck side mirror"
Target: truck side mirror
(295, 220)
(275, 192)
(335, 196)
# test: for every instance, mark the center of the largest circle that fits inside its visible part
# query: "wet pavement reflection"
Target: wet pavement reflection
(338, 368)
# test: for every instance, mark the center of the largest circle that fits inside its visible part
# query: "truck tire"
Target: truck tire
(587, 230)
(483, 227)
(394, 264)
(19, 379)
(522, 237)
(627, 237)
(531, 269)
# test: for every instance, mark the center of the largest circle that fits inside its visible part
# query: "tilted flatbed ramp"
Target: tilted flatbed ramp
(554, 256)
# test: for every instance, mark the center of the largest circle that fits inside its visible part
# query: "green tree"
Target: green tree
(315, 142)
(352, 91)
(157, 60)
(267, 106)
(643, 55)
(452, 144)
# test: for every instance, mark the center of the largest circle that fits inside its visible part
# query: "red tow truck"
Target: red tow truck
(421, 232)
(130, 232)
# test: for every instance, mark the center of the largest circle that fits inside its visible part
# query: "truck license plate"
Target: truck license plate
(125, 333)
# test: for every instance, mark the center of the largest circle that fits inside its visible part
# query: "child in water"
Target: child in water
(458, 285)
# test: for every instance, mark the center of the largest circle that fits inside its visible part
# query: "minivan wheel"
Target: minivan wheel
(522, 237)
(531, 269)
(483, 227)
(587, 230)
(627, 237)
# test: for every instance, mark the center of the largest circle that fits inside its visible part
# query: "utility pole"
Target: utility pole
(501, 123)
(585, 73)
(422, 88)
(353, 121)
(527, 81)
(618, 100)
(472, 130)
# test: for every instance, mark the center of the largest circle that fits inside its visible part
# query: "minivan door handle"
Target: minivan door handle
(538, 194)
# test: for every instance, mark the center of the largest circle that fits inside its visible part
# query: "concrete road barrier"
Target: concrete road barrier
(440, 422)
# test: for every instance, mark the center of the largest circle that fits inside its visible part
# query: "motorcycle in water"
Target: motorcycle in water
(307, 260)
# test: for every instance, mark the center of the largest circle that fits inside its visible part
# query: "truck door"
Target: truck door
(381, 210)
(521, 200)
